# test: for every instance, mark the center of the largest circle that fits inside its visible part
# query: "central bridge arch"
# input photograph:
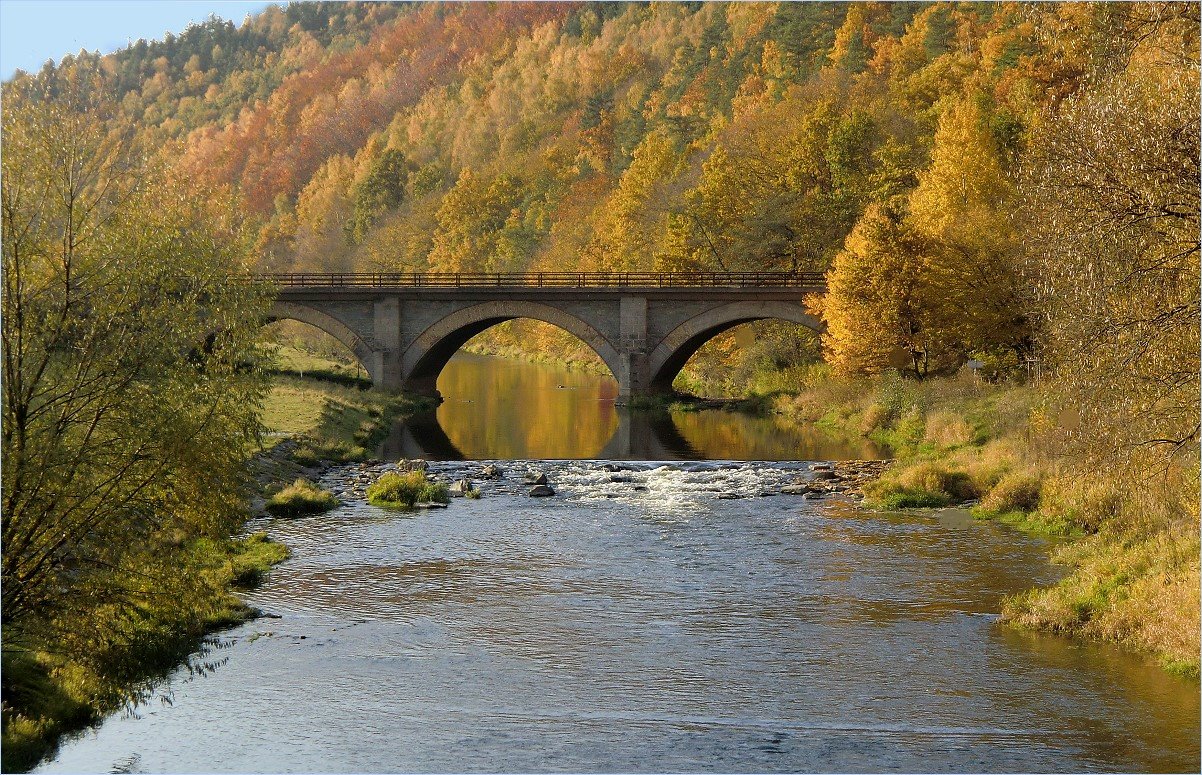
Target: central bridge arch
(672, 352)
(425, 358)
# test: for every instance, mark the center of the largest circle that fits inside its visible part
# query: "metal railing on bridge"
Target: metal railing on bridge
(815, 280)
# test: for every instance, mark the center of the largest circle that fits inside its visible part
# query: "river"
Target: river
(637, 622)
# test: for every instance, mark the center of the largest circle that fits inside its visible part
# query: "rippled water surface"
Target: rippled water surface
(637, 621)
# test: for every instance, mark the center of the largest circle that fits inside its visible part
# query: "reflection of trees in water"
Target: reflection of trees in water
(502, 408)
(638, 436)
(734, 436)
(499, 408)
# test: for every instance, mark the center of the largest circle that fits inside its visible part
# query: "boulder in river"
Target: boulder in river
(460, 487)
(795, 489)
(536, 477)
(825, 475)
(821, 467)
(540, 490)
(405, 466)
(491, 471)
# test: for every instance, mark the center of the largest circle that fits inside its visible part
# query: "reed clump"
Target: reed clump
(301, 498)
(397, 490)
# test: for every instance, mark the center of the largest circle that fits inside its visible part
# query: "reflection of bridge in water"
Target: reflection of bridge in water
(644, 326)
(639, 436)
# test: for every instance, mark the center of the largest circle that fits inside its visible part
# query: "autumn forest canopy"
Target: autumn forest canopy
(916, 151)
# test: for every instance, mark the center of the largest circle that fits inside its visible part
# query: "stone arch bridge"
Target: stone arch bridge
(405, 327)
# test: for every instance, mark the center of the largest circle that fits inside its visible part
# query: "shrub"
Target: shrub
(894, 496)
(947, 429)
(301, 497)
(1086, 503)
(396, 489)
(987, 465)
(875, 417)
(305, 456)
(934, 477)
(1016, 491)
(910, 429)
(925, 484)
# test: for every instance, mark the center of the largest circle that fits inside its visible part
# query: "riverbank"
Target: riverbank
(329, 414)
(316, 411)
(1133, 539)
(49, 693)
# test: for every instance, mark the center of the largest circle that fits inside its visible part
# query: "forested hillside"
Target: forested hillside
(476, 137)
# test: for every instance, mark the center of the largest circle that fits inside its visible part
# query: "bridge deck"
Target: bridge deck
(676, 280)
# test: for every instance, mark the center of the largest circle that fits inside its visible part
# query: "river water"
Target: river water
(638, 622)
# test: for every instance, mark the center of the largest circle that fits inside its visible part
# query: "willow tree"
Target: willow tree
(128, 408)
(1113, 204)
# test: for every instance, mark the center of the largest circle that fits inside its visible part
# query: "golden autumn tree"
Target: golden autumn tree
(1112, 200)
(628, 224)
(880, 309)
(480, 226)
(962, 206)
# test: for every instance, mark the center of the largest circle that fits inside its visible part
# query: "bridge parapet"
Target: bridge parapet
(632, 280)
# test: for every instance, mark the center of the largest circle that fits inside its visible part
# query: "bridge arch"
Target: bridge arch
(674, 350)
(287, 310)
(425, 358)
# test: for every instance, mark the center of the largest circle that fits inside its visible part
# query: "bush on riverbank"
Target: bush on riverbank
(404, 490)
(57, 682)
(300, 498)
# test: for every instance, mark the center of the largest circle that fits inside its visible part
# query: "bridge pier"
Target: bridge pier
(632, 372)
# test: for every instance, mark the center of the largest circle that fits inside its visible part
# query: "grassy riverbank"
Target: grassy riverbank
(330, 413)
(49, 690)
(48, 694)
(1133, 553)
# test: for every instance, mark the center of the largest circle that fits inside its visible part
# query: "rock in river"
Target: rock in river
(541, 490)
(491, 471)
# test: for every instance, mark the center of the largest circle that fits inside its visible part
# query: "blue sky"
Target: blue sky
(32, 31)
